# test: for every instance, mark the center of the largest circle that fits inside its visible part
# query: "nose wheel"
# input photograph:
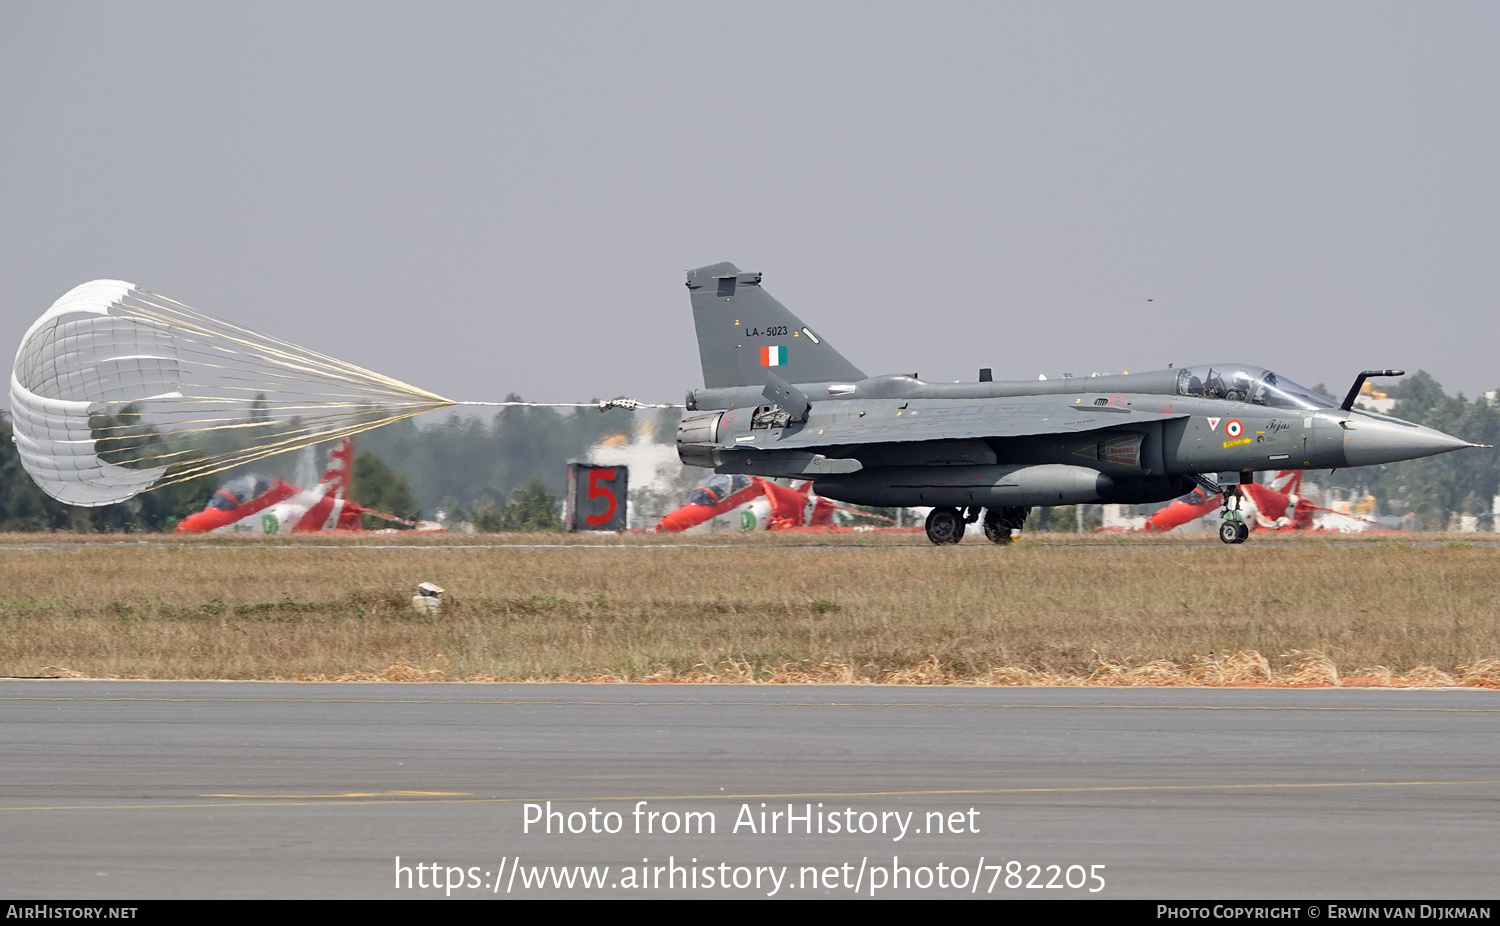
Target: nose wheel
(1234, 531)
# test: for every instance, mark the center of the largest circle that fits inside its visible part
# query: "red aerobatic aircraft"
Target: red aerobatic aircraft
(766, 505)
(256, 504)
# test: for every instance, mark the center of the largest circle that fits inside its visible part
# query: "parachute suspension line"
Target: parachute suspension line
(210, 334)
(117, 390)
(185, 466)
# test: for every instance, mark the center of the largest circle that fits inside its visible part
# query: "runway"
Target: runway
(229, 789)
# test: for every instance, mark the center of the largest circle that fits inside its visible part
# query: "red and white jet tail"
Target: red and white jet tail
(328, 505)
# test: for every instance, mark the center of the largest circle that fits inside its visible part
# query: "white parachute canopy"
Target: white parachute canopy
(117, 390)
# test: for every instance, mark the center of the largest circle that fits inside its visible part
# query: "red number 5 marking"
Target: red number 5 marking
(596, 490)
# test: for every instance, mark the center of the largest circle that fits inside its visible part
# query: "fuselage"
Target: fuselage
(1131, 438)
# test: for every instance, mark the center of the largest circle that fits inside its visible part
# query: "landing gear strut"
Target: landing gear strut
(1233, 529)
(945, 525)
(1002, 524)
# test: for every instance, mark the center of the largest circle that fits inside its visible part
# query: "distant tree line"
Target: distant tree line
(376, 486)
(498, 473)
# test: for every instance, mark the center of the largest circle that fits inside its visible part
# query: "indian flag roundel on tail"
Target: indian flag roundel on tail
(773, 356)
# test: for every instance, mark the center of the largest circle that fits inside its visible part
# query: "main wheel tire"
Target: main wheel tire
(995, 528)
(1229, 532)
(945, 525)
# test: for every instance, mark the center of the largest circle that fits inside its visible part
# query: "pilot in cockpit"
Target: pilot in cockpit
(1239, 386)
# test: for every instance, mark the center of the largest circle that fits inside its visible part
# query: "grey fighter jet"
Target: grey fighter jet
(778, 400)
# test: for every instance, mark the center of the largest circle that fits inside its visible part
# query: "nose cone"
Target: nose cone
(683, 518)
(204, 521)
(1368, 441)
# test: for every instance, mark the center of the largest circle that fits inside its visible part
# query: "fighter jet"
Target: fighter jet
(779, 401)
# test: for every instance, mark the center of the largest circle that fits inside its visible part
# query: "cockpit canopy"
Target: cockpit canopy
(1236, 382)
(240, 490)
(717, 488)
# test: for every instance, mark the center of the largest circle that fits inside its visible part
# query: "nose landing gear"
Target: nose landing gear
(1233, 529)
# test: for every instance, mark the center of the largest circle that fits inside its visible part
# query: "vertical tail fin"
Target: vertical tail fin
(340, 465)
(336, 480)
(743, 332)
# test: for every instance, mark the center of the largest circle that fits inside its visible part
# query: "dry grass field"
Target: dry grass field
(1052, 609)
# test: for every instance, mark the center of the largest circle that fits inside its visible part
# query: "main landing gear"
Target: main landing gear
(1001, 525)
(947, 525)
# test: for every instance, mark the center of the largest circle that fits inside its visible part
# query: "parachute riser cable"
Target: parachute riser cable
(602, 405)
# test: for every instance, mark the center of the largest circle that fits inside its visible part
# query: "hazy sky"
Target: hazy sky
(484, 198)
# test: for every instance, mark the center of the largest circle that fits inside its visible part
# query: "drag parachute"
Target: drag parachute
(117, 390)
